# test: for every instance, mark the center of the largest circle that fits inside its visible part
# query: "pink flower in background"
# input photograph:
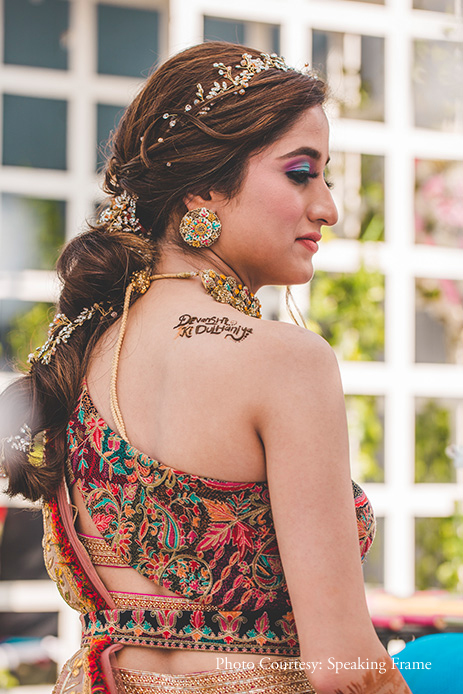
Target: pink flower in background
(439, 203)
(434, 186)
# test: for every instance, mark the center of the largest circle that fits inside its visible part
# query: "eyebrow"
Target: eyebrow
(308, 151)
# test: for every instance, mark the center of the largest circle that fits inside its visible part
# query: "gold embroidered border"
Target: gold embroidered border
(263, 679)
(156, 602)
(100, 553)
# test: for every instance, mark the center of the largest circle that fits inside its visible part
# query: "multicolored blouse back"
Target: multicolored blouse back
(211, 542)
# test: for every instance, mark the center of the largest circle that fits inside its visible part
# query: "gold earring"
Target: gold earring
(200, 227)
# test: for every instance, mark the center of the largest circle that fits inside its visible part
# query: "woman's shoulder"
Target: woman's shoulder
(277, 356)
(281, 333)
(285, 345)
(270, 337)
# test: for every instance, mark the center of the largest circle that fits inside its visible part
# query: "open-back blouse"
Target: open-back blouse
(210, 541)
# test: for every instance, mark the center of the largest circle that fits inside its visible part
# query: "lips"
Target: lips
(314, 236)
(310, 241)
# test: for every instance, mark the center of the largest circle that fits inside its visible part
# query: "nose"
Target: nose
(322, 208)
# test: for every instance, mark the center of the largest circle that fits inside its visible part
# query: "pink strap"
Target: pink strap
(108, 662)
(66, 516)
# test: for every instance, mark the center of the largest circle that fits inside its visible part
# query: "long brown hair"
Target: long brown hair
(160, 153)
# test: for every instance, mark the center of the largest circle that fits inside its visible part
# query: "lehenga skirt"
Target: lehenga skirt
(82, 674)
(285, 678)
(279, 676)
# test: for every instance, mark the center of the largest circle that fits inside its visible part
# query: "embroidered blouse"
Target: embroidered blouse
(212, 542)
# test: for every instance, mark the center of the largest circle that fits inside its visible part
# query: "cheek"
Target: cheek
(284, 206)
(276, 203)
(269, 210)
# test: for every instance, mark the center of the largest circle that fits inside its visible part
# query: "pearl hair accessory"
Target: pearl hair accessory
(252, 66)
(61, 329)
(249, 67)
(121, 215)
(21, 442)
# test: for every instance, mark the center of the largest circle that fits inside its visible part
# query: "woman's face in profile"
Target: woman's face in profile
(271, 227)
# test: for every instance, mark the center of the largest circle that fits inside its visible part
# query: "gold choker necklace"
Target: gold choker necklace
(226, 290)
(223, 289)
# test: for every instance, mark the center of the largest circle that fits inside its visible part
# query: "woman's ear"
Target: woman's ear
(193, 202)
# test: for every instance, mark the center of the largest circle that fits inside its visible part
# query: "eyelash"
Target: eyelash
(300, 177)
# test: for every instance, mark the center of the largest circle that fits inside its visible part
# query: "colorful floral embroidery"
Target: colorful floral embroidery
(98, 684)
(207, 540)
(211, 542)
(366, 524)
(249, 632)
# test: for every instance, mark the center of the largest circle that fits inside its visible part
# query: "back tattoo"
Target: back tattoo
(188, 326)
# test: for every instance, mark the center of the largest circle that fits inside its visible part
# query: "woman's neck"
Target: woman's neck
(173, 259)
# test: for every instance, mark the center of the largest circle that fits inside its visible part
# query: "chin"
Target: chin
(301, 276)
(288, 276)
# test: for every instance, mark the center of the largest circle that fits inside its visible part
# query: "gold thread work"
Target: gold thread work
(129, 601)
(100, 553)
(282, 680)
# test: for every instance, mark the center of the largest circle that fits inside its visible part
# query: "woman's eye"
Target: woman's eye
(328, 182)
(300, 176)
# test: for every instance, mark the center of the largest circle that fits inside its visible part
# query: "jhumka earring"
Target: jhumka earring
(200, 228)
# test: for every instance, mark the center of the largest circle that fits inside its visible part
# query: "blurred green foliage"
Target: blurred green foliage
(439, 553)
(363, 214)
(367, 437)
(28, 330)
(347, 310)
(428, 291)
(438, 541)
(37, 232)
(432, 436)
(50, 220)
(372, 194)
